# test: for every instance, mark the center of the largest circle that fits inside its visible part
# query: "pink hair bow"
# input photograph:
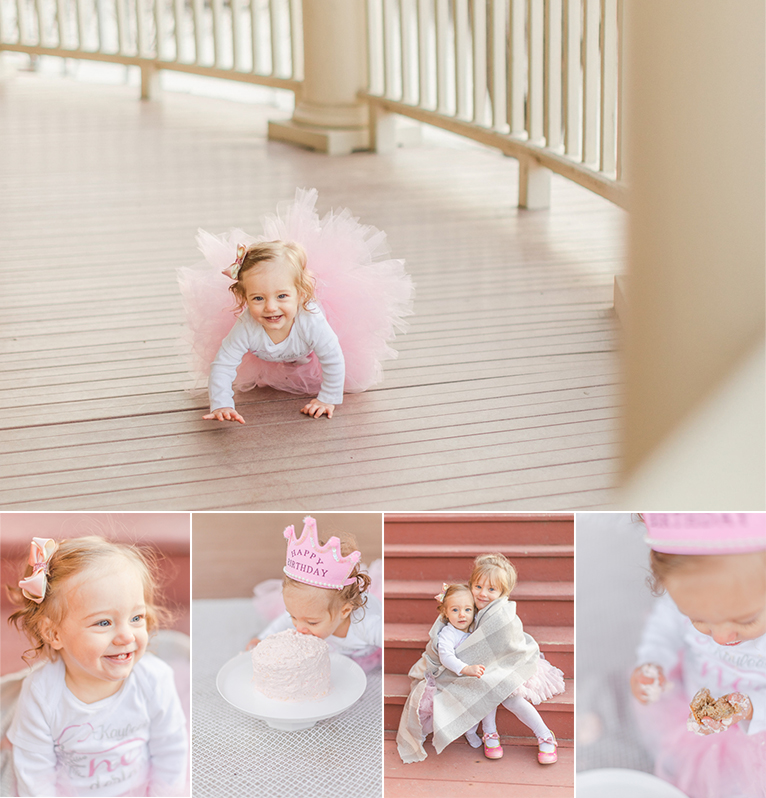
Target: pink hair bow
(440, 596)
(40, 551)
(233, 270)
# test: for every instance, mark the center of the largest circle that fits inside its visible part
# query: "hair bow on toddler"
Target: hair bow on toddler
(40, 551)
(440, 596)
(233, 270)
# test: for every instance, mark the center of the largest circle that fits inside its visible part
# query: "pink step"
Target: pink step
(405, 642)
(558, 713)
(454, 562)
(464, 772)
(538, 603)
(489, 528)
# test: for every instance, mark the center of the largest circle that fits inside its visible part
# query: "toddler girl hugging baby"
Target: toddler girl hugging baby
(701, 665)
(326, 594)
(101, 715)
(478, 657)
(316, 304)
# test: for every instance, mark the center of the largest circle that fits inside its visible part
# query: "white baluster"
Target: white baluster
(296, 40)
(217, 7)
(553, 60)
(591, 81)
(462, 69)
(390, 42)
(572, 61)
(61, 22)
(608, 162)
(499, 65)
(535, 96)
(409, 43)
(236, 33)
(479, 45)
(518, 67)
(277, 47)
(426, 93)
(442, 57)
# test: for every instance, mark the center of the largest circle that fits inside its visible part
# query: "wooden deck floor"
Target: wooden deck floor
(506, 391)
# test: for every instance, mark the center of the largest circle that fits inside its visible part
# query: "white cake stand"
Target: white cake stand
(235, 684)
(609, 782)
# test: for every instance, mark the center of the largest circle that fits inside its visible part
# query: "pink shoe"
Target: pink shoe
(546, 757)
(496, 752)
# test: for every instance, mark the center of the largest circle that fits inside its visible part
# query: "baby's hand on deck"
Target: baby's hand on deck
(252, 644)
(647, 682)
(224, 414)
(315, 408)
(473, 670)
(744, 711)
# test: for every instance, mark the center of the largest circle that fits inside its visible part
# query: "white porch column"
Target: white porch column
(694, 417)
(328, 116)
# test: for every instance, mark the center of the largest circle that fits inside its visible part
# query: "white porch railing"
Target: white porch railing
(257, 41)
(538, 79)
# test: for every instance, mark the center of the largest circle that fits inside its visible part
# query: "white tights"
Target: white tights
(528, 715)
(524, 711)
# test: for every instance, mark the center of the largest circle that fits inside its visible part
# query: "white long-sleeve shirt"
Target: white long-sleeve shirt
(723, 669)
(310, 333)
(128, 743)
(448, 640)
(364, 636)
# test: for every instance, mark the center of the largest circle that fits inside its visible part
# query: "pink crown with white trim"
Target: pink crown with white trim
(706, 533)
(315, 565)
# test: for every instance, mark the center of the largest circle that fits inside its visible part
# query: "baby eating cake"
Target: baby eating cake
(290, 666)
(703, 706)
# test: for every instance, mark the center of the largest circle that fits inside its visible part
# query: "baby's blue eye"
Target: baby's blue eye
(102, 623)
(137, 618)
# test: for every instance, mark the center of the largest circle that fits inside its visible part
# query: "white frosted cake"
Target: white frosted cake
(289, 666)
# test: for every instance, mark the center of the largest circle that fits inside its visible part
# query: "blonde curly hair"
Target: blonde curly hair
(498, 569)
(70, 558)
(288, 253)
(452, 590)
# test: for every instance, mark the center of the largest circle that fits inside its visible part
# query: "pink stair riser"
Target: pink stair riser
(454, 563)
(488, 528)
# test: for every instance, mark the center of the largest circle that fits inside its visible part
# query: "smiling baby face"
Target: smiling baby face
(103, 631)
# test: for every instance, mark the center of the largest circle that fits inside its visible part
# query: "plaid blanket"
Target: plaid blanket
(499, 643)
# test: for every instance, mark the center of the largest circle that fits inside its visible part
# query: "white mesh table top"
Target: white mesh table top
(235, 755)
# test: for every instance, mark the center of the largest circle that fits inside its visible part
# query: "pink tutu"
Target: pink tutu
(364, 296)
(547, 682)
(729, 764)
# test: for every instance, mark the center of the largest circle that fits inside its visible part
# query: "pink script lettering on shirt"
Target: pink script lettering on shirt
(116, 759)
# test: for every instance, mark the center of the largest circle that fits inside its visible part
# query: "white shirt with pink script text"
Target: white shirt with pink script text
(669, 638)
(132, 743)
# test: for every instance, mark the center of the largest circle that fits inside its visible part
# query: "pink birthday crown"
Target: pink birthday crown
(319, 566)
(706, 533)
